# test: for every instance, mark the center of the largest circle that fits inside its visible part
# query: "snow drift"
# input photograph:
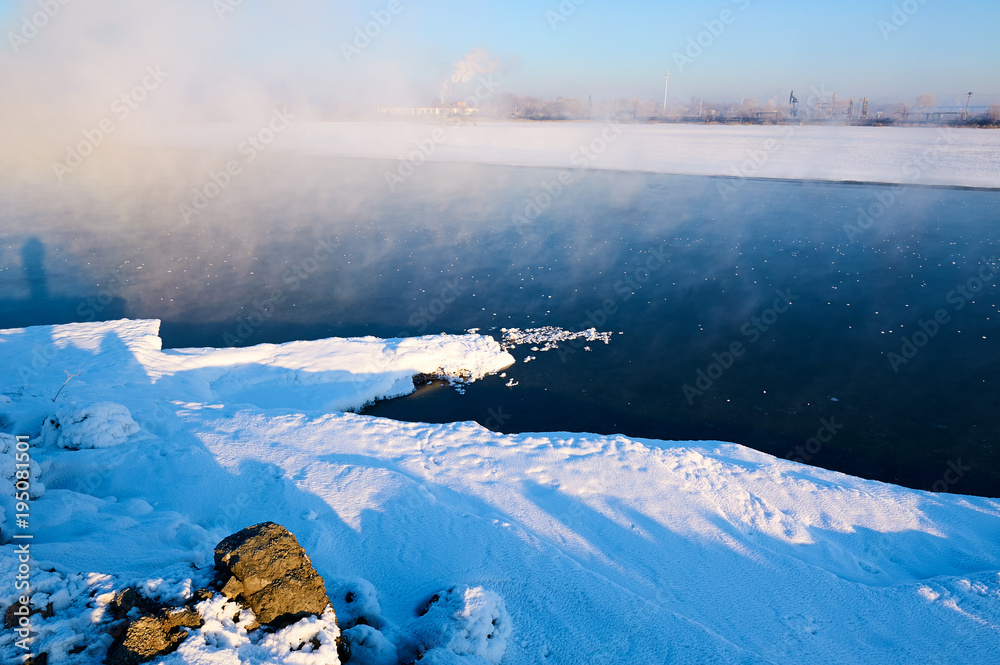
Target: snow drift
(568, 548)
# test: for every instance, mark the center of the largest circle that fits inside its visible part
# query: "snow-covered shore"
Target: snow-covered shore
(603, 548)
(908, 155)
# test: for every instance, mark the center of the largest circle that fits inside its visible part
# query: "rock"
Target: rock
(343, 650)
(182, 617)
(9, 619)
(200, 595)
(124, 601)
(264, 567)
(148, 637)
(232, 588)
(129, 598)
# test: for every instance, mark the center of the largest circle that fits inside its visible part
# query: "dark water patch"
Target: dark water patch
(765, 313)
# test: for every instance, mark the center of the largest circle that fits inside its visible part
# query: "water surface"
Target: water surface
(761, 312)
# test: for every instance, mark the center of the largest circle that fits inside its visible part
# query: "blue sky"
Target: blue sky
(622, 49)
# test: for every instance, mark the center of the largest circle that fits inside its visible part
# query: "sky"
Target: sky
(723, 50)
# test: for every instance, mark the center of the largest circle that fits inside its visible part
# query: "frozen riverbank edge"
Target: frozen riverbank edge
(935, 156)
(604, 548)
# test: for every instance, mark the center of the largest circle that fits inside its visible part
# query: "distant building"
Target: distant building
(458, 108)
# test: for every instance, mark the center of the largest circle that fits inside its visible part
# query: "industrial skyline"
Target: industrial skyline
(397, 51)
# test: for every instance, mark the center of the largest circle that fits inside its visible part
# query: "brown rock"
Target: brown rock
(274, 576)
(148, 637)
(144, 640)
(232, 589)
(9, 619)
(182, 617)
(124, 601)
(127, 599)
(200, 595)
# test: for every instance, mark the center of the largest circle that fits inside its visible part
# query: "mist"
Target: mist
(222, 132)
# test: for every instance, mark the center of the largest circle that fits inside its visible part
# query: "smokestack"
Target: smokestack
(666, 84)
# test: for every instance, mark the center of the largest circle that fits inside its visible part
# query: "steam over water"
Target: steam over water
(852, 327)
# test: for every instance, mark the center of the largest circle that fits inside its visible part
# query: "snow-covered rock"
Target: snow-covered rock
(14, 468)
(468, 621)
(99, 425)
(370, 647)
(355, 600)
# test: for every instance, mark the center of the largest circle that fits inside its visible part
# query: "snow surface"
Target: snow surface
(567, 548)
(911, 155)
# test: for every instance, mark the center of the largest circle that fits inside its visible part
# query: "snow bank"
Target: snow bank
(99, 425)
(602, 548)
(929, 156)
(329, 374)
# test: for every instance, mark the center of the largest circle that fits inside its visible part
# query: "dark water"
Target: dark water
(779, 317)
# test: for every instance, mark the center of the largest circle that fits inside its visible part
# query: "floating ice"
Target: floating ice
(548, 337)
